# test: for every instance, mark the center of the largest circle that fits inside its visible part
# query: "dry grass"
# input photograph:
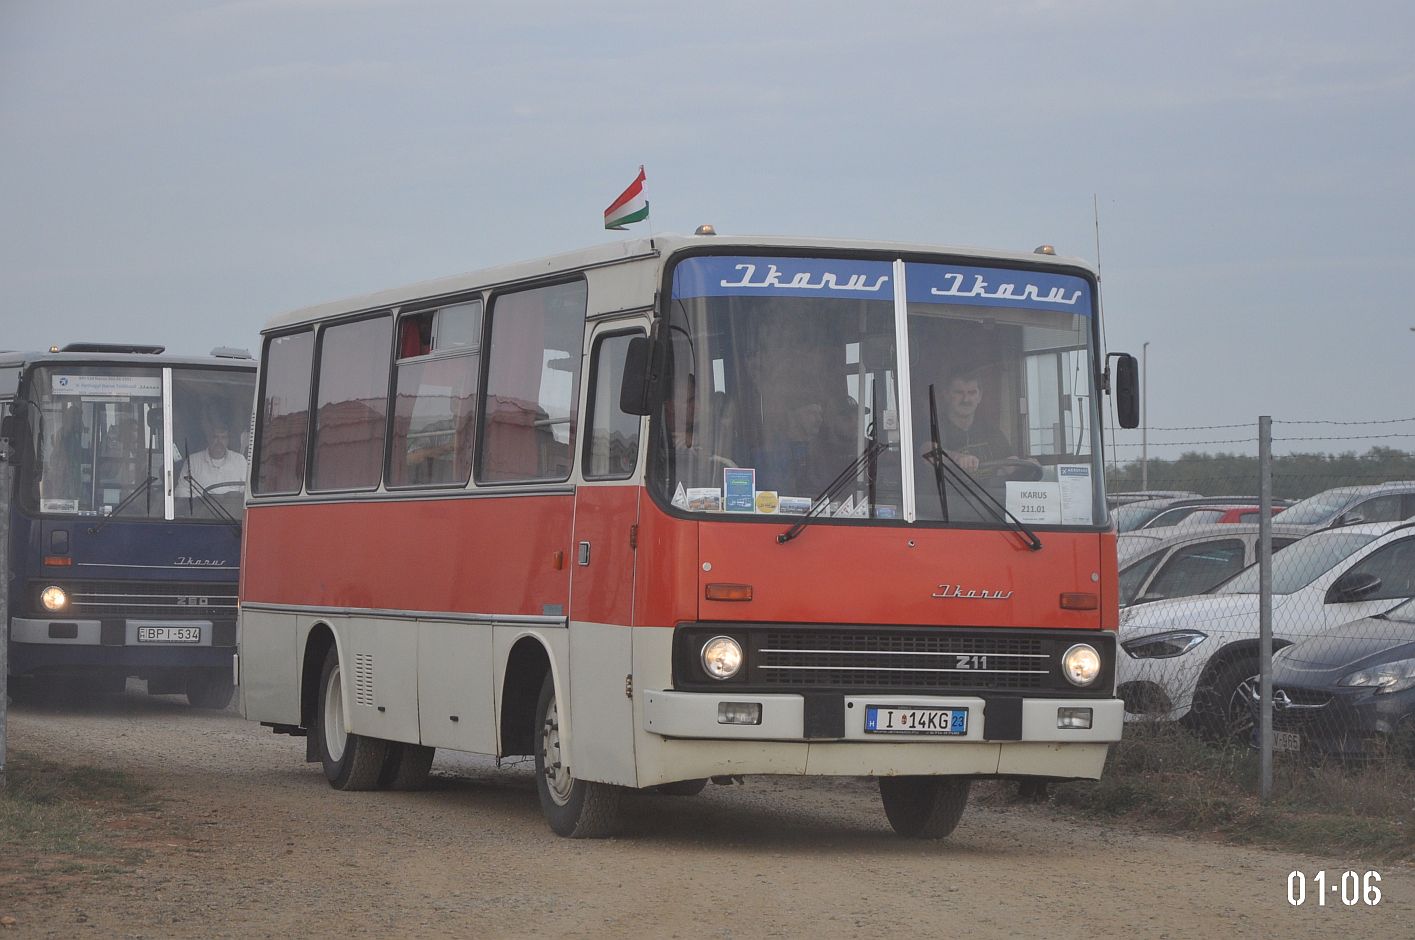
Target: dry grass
(1164, 777)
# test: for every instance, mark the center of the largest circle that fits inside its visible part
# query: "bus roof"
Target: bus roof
(10, 359)
(633, 249)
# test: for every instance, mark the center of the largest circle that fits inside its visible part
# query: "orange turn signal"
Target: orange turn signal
(1080, 601)
(728, 592)
(58, 561)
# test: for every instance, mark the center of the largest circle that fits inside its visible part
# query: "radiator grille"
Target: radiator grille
(199, 601)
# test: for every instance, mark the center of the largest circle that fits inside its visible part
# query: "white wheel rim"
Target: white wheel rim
(335, 737)
(557, 776)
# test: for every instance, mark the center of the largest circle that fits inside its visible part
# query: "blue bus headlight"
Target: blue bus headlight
(53, 598)
(722, 657)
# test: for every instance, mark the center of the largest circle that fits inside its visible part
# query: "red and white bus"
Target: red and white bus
(697, 507)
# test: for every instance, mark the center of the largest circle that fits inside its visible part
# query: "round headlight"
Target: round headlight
(53, 598)
(722, 657)
(1081, 664)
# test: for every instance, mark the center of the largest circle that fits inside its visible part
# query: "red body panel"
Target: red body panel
(485, 556)
(498, 556)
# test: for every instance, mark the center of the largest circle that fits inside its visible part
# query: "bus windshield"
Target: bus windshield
(99, 436)
(784, 371)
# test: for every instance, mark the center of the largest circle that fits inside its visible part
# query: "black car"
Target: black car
(1349, 692)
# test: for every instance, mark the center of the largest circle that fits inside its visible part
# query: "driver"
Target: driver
(969, 441)
(218, 465)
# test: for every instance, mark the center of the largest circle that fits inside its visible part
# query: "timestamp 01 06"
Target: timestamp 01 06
(1351, 887)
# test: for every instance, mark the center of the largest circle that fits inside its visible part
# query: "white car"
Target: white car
(1156, 564)
(1189, 658)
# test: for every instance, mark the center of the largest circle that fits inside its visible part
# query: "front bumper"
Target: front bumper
(1346, 723)
(40, 645)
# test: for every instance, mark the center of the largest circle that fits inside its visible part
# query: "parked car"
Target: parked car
(1156, 564)
(1349, 692)
(1136, 496)
(1201, 514)
(1134, 515)
(1188, 658)
(1349, 505)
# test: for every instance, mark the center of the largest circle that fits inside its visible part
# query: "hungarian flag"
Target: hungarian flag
(631, 206)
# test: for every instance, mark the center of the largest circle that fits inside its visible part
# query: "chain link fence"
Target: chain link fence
(1341, 616)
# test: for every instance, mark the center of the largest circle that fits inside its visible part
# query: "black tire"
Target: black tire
(576, 809)
(924, 807)
(682, 787)
(210, 688)
(1221, 709)
(406, 767)
(351, 761)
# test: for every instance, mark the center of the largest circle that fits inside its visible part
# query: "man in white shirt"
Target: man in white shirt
(216, 467)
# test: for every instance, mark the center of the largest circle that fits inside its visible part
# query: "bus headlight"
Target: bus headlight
(722, 657)
(1081, 664)
(53, 598)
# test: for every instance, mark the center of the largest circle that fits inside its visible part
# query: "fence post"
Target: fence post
(5, 496)
(1265, 603)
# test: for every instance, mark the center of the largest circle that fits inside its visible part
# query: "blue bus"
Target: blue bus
(125, 517)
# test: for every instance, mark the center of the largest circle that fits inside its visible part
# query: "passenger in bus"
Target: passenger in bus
(217, 467)
(798, 460)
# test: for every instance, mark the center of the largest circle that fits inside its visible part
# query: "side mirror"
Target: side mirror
(1127, 391)
(1353, 586)
(645, 375)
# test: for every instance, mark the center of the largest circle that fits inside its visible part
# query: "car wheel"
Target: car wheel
(577, 809)
(210, 688)
(924, 807)
(351, 761)
(1222, 710)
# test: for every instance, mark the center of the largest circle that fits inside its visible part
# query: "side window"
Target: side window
(1378, 509)
(612, 438)
(351, 412)
(532, 384)
(1202, 516)
(434, 402)
(1194, 569)
(1134, 575)
(284, 414)
(1395, 566)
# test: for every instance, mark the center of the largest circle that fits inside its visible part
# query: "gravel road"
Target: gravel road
(250, 841)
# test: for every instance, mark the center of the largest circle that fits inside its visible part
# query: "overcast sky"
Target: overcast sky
(180, 171)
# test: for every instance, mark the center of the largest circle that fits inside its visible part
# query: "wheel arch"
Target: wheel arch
(527, 665)
(317, 645)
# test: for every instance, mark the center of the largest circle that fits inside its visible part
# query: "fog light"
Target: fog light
(53, 598)
(722, 657)
(1081, 664)
(739, 713)
(1073, 717)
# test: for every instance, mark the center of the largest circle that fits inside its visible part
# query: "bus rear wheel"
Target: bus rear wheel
(577, 809)
(406, 767)
(924, 807)
(351, 761)
(210, 688)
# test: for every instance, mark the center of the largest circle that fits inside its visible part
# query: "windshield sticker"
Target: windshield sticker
(998, 287)
(739, 486)
(704, 499)
(845, 510)
(59, 505)
(1038, 503)
(783, 277)
(767, 501)
(680, 496)
(127, 386)
(794, 505)
(1076, 494)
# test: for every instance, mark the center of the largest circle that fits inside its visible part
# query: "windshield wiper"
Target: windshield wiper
(989, 504)
(143, 487)
(818, 505)
(210, 501)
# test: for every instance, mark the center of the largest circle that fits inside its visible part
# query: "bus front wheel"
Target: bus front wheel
(210, 688)
(577, 809)
(924, 807)
(351, 761)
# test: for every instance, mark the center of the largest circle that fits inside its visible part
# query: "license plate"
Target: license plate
(1286, 741)
(169, 634)
(915, 719)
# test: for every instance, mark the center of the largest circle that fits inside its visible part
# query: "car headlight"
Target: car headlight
(1081, 664)
(1164, 645)
(722, 657)
(1386, 677)
(53, 598)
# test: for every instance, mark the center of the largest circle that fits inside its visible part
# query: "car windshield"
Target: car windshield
(1315, 510)
(1130, 518)
(1405, 613)
(100, 441)
(785, 369)
(1300, 563)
